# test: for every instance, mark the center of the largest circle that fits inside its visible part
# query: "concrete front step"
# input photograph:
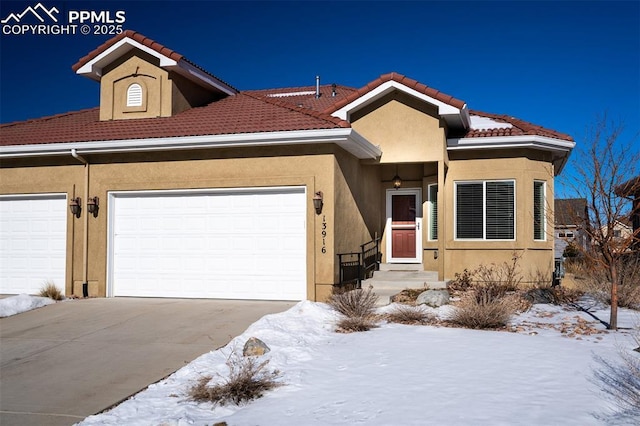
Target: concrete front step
(387, 281)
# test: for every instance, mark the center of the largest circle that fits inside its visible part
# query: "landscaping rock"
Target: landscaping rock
(433, 298)
(255, 347)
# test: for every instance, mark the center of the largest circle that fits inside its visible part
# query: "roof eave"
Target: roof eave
(347, 138)
(560, 149)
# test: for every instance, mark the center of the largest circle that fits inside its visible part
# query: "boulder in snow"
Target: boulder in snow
(433, 298)
(255, 347)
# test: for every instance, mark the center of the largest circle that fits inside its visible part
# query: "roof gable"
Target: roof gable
(453, 110)
(91, 65)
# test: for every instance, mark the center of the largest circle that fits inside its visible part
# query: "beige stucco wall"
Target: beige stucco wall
(299, 168)
(406, 130)
(536, 255)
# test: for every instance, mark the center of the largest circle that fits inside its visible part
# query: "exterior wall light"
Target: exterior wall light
(397, 182)
(76, 206)
(317, 202)
(93, 205)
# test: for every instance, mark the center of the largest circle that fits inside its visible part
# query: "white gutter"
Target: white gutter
(347, 138)
(525, 141)
(561, 147)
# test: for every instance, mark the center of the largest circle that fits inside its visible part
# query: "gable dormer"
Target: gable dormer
(140, 78)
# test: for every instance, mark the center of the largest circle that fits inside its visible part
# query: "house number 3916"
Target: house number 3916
(324, 234)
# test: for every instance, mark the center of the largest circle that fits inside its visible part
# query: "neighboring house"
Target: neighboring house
(179, 185)
(631, 190)
(570, 218)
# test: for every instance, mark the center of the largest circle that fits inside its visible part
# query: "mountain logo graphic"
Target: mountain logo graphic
(38, 11)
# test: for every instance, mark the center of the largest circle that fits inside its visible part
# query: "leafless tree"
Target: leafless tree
(605, 171)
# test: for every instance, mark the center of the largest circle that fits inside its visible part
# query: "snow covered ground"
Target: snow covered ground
(22, 303)
(403, 375)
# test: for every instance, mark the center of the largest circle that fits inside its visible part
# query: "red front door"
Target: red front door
(403, 226)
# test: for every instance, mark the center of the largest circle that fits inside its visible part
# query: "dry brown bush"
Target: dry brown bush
(404, 314)
(596, 282)
(355, 324)
(482, 311)
(248, 380)
(50, 290)
(359, 303)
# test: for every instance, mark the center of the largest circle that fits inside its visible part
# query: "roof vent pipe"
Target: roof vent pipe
(317, 86)
(333, 90)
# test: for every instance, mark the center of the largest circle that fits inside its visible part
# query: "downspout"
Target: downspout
(85, 248)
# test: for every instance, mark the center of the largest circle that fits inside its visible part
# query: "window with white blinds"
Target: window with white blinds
(485, 210)
(539, 210)
(134, 95)
(433, 212)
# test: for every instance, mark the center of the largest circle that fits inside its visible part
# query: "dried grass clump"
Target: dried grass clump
(50, 290)
(411, 315)
(355, 303)
(478, 310)
(355, 324)
(248, 380)
(357, 307)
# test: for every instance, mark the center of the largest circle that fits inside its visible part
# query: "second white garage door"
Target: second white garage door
(231, 244)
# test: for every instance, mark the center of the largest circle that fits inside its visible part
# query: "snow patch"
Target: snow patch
(486, 123)
(22, 303)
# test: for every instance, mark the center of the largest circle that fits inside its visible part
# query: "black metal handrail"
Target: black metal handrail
(357, 266)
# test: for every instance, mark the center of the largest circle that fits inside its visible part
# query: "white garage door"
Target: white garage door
(240, 244)
(33, 231)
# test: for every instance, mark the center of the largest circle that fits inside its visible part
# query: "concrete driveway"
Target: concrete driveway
(64, 362)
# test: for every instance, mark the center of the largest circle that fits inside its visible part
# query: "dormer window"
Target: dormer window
(134, 95)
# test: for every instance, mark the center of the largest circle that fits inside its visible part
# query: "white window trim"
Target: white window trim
(484, 209)
(544, 211)
(431, 215)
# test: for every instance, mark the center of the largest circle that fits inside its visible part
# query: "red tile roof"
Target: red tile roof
(250, 111)
(242, 113)
(399, 78)
(520, 128)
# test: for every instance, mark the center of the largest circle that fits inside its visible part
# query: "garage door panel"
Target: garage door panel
(32, 242)
(215, 244)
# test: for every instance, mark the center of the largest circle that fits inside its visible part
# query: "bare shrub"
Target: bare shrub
(505, 274)
(355, 324)
(461, 281)
(404, 314)
(597, 282)
(248, 379)
(620, 381)
(359, 303)
(484, 309)
(50, 290)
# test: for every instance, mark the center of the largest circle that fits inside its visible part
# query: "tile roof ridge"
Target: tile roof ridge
(50, 117)
(526, 127)
(297, 88)
(307, 111)
(402, 79)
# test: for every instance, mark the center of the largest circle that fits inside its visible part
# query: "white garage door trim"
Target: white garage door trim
(33, 242)
(240, 243)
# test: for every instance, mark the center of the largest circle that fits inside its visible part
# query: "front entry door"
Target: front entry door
(404, 219)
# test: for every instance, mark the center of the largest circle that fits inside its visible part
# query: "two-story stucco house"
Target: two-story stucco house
(179, 185)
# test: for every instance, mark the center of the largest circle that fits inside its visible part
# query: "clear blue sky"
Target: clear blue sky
(558, 64)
